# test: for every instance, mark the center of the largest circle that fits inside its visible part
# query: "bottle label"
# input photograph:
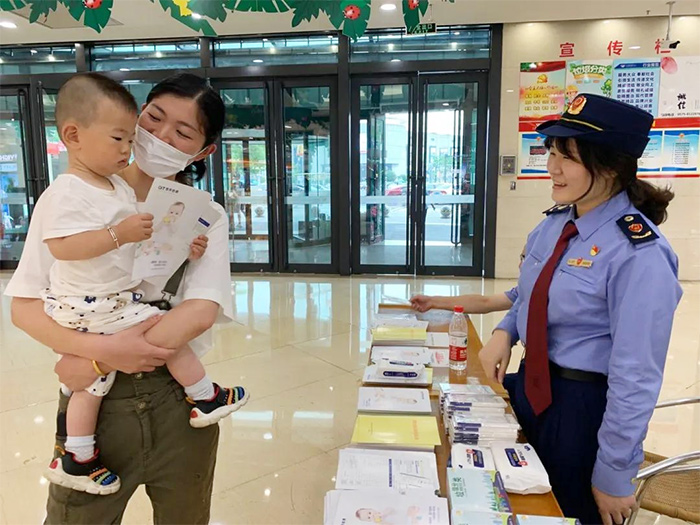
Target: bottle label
(458, 348)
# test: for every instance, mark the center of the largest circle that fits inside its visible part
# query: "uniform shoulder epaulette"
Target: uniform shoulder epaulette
(557, 208)
(636, 228)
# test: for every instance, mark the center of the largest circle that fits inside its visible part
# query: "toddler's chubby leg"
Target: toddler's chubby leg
(80, 467)
(211, 402)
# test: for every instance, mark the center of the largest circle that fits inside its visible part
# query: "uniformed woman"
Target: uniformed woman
(598, 290)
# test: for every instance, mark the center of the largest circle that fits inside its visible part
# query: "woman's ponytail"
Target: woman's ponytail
(649, 199)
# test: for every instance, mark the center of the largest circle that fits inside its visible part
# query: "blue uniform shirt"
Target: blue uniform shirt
(512, 294)
(613, 316)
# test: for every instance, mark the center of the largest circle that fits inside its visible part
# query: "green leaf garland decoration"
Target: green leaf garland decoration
(40, 8)
(11, 5)
(355, 18)
(210, 8)
(412, 11)
(349, 16)
(94, 18)
(200, 25)
(259, 6)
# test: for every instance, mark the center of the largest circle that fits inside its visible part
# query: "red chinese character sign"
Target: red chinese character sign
(615, 48)
(566, 50)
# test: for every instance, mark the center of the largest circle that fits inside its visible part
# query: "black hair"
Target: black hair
(621, 168)
(212, 113)
(79, 98)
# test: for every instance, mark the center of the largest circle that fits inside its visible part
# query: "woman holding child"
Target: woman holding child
(144, 431)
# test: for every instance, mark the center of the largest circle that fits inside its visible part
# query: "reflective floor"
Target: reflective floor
(299, 344)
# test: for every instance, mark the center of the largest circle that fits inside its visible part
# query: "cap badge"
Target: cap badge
(577, 105)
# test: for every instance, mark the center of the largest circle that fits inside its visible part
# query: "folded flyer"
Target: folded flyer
(360, 468)
(412, 432)
(180, 213)
(415, 507)
(388, 400)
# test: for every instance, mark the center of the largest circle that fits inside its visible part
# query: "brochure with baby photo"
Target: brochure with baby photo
(408, 400)
(361, 468)
(414, 507)
(180, 213)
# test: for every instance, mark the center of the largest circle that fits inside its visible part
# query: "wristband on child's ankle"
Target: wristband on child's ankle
(114, 238)
(97, 368)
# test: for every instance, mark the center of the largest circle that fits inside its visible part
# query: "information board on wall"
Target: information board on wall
(667, 87)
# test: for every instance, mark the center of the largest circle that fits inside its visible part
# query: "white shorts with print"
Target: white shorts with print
(98, 315)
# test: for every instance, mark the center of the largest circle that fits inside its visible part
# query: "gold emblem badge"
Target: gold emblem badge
(577, 105)
(579, 263)
(594, 250)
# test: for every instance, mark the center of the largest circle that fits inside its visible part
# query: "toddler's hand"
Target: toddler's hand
(198, 247)
(135, 228)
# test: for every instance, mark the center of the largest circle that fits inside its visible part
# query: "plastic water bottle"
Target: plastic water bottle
(458, 340)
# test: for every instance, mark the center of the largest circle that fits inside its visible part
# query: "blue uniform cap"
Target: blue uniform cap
(604, 121)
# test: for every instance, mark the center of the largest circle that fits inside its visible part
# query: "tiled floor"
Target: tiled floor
(299, 344)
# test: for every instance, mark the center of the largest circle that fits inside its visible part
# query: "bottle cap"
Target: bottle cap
(459, 309)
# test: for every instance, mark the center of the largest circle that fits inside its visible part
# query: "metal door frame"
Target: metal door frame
(278, 132)
(271, 179)
(481, 81)
(409, 80)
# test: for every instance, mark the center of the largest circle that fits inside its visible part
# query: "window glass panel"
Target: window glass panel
(125, 57)
(27, 60)
(448, 44)
(276, 50)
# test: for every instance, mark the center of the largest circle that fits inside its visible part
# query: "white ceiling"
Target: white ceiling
(141, 19)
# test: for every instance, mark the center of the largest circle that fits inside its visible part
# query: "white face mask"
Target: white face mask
(157, 158)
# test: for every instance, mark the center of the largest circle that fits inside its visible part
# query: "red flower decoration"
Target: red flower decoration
(351, 12)
(92, 4)
(413, 4)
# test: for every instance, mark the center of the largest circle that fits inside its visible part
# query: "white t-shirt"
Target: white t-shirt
(71, 206)
(209, 278)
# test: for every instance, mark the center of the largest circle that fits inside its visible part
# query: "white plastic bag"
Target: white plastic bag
(521, 468)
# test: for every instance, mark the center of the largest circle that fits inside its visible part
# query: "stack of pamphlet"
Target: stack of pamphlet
(360, 468)
(399, 332)
(484, 429)
(393, 400)
(396, 432)
(477, 490)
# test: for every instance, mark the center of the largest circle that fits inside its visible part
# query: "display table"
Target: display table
(439, 320)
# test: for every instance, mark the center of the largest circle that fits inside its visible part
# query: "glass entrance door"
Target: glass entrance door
(306, 166)
(274, 172)
(15, 193)
(247, 177)
(381, 165)
(418, 171)
(452, 162)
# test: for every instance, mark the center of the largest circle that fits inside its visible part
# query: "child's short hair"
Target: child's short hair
(79, 98)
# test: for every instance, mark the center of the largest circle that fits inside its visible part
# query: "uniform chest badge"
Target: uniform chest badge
(579, 263)
(594, 250)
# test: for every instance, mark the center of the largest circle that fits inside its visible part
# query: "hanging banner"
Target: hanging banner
(636, 81)
(588, 76)
(679, 91)
(542, 90)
